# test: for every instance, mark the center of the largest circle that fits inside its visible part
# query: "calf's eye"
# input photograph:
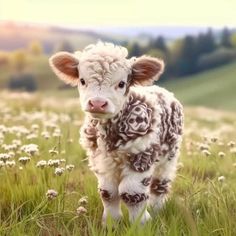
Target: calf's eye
(82, 81)
(121, 84)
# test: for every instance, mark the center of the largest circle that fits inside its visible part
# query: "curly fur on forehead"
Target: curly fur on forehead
(104, 57)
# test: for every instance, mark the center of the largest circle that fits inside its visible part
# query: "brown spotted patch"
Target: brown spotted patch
(135, 120)
(159, 187)
(171, 126)
(105, 194)
(146, 181)
(143, 161)
(91, 133)
(133, 199)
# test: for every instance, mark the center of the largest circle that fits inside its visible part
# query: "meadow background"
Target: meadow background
(46, 187)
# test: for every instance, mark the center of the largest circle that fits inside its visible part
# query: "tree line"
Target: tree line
(190, 54)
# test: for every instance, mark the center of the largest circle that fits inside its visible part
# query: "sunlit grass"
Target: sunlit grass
(203, 197)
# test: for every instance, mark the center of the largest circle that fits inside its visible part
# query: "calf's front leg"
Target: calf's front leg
(108, 189)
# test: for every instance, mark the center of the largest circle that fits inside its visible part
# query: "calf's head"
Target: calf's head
(103, 75)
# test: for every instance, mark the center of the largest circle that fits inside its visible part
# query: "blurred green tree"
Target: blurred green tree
(226, 38)
(135, 50)
(205, 43)
(233, 40)
(64, 45)
(19, 60)
(154, 52)
(4, 58)
(22, 81)
(35, 48)
(184, 56)
(159, 43)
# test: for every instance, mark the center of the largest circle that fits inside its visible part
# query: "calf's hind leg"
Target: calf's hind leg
(160, 186)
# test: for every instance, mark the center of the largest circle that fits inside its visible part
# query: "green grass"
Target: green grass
(199, 204)
(214, 88)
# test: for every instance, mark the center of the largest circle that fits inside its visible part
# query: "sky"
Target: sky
(82, 13)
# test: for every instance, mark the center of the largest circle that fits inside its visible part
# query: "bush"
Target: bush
(22, 82)
(4, 59)
(35, 48)
(19, 59)
(216, 58)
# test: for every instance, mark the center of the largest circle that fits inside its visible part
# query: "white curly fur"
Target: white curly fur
(133, 149)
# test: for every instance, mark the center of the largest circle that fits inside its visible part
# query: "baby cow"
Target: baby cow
(132, 128)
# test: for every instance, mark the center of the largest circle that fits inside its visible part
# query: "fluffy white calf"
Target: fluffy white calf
(132, 129)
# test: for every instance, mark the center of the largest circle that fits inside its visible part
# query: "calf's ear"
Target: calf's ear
(65, 66)
(146, 70)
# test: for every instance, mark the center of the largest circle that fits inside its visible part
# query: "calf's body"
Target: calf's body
(134, 154)
(132, 129)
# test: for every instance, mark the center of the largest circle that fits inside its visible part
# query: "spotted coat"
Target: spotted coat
(143, 137)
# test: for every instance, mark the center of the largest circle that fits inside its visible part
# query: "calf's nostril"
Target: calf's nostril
(91, 104)
(104, 105)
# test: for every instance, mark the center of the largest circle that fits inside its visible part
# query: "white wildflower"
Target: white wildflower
(203, 146)
(54, 163)
(10, 163)
(70, 140)
(180, 165)
(231, 144)
(53, 152)
(11, 154)
(83, 200)
(221, 178)
(206, 153)
(17, 142)
(41, 164)
(30, 149)
(45, 134)
(70, 167)
(24, 160)
(9, 147)
(51, 125)
(221, 154)
(31, 136)
(57, 133)
(59, 171)
(214, 139)
(51, 194)
(34, 126)
(3, 129)
(81, 210)
(4, 157)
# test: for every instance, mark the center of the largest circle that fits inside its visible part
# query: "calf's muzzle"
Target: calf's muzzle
(97, 105)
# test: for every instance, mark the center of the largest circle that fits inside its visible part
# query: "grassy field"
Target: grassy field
(214, 88)
(203, 199)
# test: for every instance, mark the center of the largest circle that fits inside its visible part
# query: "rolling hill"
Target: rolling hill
(215, 88)
(14, 36)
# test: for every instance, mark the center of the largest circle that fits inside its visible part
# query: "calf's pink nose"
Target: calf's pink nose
(98, 106)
